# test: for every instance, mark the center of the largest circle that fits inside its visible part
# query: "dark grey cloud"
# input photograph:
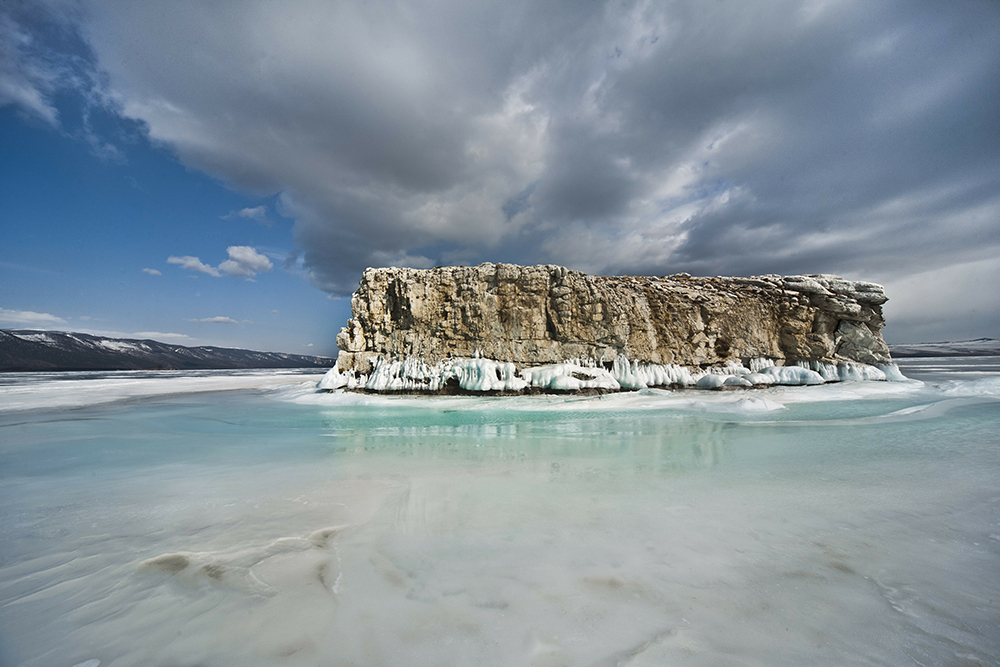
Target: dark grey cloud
(726, 137)
(806, 135)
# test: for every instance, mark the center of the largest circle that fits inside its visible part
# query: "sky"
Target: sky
(222, 173)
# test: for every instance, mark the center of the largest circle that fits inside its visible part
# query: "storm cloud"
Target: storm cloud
(730, 137)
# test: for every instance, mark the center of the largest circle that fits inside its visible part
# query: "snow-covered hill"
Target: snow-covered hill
(27, 350)
(980, 347)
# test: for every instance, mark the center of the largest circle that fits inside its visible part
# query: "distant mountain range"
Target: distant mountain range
(980, 347)
(28, 350)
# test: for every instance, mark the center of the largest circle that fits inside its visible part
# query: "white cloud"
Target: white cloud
(26, 81)
(194, 264)
(219, 319)
(165, 337)
(152, 272)
(28, 318)
(257, 214)
(159, 335)
(926, 306)
(244, 261)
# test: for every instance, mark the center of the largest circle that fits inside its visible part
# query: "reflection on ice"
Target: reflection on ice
(643, 444)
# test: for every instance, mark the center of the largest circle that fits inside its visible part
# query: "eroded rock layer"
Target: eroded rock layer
(532, 315)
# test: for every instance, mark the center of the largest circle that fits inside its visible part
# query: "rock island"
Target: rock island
(509, 328)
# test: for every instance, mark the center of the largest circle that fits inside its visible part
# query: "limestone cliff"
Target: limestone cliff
(532, 315)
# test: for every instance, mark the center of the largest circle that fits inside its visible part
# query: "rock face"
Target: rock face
(532, 315)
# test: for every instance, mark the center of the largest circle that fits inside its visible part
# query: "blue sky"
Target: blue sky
(222, 173)
(81, 228)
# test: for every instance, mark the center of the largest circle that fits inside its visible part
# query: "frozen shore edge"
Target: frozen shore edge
(485, 376)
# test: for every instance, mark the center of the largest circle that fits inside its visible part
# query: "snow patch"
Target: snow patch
(116, 345)
(759, 378)
(845, 371)
(892, 373)
(333, 379)
(570, 377)
(757, 404)
(989, 386)
(711, 381)
(36, 338)
(793, 375)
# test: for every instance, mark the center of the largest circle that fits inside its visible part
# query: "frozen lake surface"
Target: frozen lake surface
(211, 518)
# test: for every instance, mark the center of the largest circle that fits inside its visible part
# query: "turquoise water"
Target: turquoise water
(239, 518)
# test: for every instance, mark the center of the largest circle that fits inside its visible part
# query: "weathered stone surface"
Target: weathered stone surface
(534, 315)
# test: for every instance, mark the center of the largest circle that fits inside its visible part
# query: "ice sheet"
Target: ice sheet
(646, 399)
(281, 526)
(31, 391)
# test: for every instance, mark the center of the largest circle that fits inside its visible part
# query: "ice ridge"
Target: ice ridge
(480, 375)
